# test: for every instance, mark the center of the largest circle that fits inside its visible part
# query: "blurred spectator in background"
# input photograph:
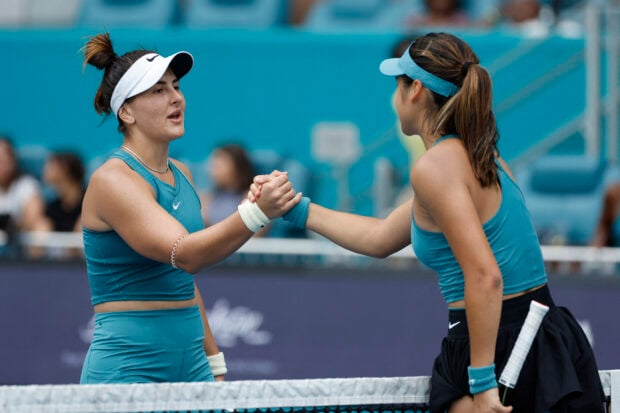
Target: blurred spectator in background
(21, 203)
(607, 233)
(440, 13)
(64, 173)
(230, 172)
(527, 16)
(520, 11)
(298, 10)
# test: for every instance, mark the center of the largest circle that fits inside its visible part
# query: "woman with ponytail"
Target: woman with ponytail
(468, 222)
(143, 231)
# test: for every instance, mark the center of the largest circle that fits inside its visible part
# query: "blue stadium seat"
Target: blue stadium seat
(127, 13)
(346, 14)
(234, 13)
(564, 195)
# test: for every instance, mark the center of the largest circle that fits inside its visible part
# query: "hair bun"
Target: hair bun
(99, 52)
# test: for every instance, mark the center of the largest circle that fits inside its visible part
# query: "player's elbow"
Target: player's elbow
(378, 246)
(381, 253)
(377, 250)
(493, 282)
(187, 266)
(489, 280)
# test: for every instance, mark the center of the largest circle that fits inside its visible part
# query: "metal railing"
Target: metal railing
(320, 247)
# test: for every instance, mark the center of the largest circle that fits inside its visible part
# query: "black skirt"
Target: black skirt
(559, 374)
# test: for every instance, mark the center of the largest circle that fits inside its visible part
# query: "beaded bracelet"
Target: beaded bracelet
(173, 253)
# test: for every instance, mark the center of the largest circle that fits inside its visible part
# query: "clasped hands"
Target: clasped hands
(274, 194)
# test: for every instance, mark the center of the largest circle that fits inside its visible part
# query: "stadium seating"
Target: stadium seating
(346, 14)
(564, 195)
(39, 13)
(127, 13)
(233, 13)
(379, 14)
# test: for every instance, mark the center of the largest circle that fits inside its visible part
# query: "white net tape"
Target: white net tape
(212, 396)
(148, 397)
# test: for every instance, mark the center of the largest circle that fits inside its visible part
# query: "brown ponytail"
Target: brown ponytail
(98, 51)
(469, 113)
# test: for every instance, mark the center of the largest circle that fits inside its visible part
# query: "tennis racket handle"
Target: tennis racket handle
(534, 318)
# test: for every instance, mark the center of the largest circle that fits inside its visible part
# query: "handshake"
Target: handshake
(272, 196)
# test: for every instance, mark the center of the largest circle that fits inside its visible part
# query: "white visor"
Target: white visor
(145, 72)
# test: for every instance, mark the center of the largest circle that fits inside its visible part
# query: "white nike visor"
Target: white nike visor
(145, 72)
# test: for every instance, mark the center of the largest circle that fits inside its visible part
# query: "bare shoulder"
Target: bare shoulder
(112, 185)
(442, 165)
(115, 175)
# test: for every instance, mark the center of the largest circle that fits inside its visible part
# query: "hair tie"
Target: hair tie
(465, 67)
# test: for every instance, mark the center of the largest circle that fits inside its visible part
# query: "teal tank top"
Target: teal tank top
(116, 272)
(512, 238)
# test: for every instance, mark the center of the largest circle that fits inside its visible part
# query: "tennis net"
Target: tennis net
(349, 395)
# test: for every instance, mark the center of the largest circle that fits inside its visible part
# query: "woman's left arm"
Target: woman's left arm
(209, 343)
(442, 189)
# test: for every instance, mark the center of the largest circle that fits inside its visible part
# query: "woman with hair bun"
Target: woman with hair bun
(143, 232)
(468, 221)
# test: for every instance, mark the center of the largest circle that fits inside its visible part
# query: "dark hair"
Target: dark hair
(72, 163)
(98, 52)
(455, 6)
(469, 113)
(243, 164)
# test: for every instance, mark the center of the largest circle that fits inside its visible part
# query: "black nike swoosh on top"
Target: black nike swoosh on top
(150, 59)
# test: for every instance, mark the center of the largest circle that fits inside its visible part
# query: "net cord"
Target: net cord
(232, 395)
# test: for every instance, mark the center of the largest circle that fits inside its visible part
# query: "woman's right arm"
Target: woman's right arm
(118, 199)
(375, 237)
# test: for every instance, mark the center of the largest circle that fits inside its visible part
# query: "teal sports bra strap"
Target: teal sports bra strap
(443, 138)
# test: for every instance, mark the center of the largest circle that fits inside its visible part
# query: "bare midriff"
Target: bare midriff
(112, 306)
(461, 303)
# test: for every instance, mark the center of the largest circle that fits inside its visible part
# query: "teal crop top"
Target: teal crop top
(116, 272)
(512, 238)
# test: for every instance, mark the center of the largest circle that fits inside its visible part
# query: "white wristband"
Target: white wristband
(252, 216)
(218, 364)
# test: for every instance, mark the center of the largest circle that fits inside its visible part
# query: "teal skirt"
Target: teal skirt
(147, 346)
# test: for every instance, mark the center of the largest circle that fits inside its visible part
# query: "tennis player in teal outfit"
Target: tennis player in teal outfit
(468, 221)
(143, 232)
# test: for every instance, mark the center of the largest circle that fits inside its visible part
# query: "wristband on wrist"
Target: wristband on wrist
(252, 216)
(481, 378)
(217, 364)
(298, 215)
